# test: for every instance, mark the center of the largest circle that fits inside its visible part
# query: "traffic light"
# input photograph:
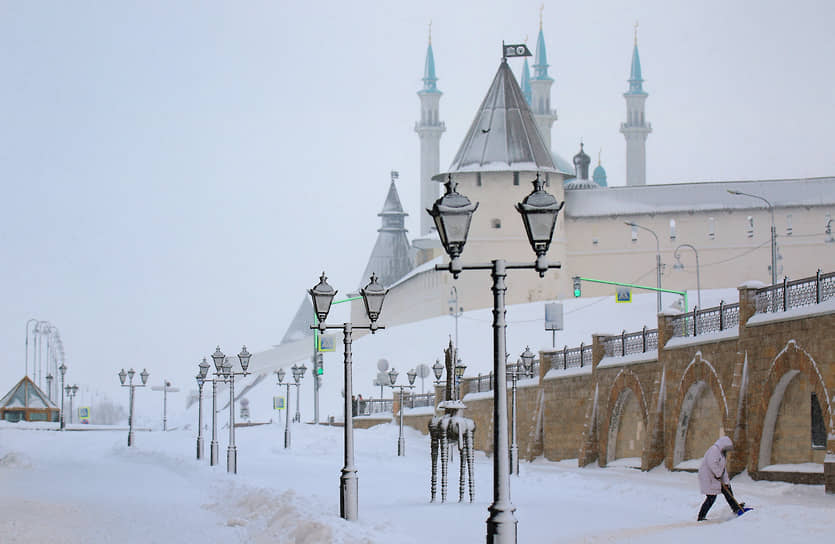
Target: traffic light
(319, 367)
(576, 286)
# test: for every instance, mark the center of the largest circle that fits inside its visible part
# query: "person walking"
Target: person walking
(713, 477)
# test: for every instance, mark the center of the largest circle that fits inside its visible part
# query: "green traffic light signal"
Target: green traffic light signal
(320, 371)
(576, 286)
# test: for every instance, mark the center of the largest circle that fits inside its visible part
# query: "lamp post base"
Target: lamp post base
(130, 438)
(514, 459)
(401, 446)
(348, 498)
(232, 459)
(501, 525)
(213, 453)
(286, 437)
(199, 447)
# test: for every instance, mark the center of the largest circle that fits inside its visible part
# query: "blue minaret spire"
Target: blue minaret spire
(540, 89)
(636, 82)
(525, 84)
(429, 129)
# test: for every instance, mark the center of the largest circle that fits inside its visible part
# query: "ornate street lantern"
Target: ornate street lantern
(412, 374)
(122, 375)
(438, 369)
(144, 375)
(296, 376)
(393, 376)
(280, 374)
(452, 214)
(302, 370)
(460, 367)
(219, 358)
(527, 358)
(244, 357)
(204, 368)
(539, 213)
(131, 374)
(373, 295)
(322, 295)
(63, 370)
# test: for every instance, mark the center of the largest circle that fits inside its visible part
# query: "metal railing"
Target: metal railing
(572, 357)
(628, 343)
(420, 400)
(709, 320)
(795, 293)
(367, 407)
(482, 382)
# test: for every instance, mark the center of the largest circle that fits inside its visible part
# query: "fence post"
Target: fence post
(721, 315)
(644, 338)
(818, 287)
(695, 318)
(564, 357)
(581, 355)
(785, 293)
(623, 342)
(491, 380)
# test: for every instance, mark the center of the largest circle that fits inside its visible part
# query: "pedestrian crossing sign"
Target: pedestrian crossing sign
(623, 294)
(278, 403)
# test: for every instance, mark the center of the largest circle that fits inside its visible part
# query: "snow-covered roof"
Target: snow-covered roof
(25, 394)
(703, 196)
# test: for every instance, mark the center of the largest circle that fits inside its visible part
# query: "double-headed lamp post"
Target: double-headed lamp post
(71, 392)
(773, 233)
(228, 375)
(523, 365)
(401, 441)
(201, 380)
(635, 227)
(298, 374)
(280, 373)
(132, 386)
(373, 295)
(63, 371)
(680, 266)
(452, 214)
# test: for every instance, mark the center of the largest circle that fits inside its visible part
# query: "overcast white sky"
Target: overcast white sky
(176, 174)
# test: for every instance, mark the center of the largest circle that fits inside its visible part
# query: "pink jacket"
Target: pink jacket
(712, 473)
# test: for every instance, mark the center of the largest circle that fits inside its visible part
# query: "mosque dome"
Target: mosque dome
(599, 176)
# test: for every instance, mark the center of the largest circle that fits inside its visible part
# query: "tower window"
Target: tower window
(515, 178)
(496, 223)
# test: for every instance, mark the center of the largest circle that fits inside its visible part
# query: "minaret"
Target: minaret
(636, 129)
(525, 83)
(429, 129)
(541, 90)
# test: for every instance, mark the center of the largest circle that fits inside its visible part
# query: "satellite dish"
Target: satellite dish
(422, 370)
(383, 365)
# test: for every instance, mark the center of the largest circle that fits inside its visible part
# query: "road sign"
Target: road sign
(553, 316)
(327, 342)
(278, 403)
(84, 414)
(623, 294)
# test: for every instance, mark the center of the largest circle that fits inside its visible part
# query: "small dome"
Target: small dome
(581, 164)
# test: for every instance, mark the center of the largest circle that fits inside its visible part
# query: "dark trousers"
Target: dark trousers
(709, 500)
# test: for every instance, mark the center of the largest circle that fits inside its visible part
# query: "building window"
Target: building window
(515, 178)
(818, 428)
(496, 223)
(711, 228)
(478, 179)
(788, 224)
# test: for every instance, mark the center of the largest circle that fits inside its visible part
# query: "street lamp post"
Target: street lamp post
(452, 214)
(49, 379)
(773, 233)
(373, 295)
(33, 320)
(71, 392)
(455, 310)
(280, 373)
(298, 374)
(226, 374)
(131, 386)
(680, 266)
(201, 380)
(401, 441)
(636, 226)
(63, 370)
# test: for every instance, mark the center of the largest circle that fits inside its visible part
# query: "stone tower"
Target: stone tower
(636, 128)
(429, 129)
(540, 91)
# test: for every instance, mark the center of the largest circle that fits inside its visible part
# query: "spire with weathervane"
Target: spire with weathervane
(541, 82)
(636, 128)
(429, 130)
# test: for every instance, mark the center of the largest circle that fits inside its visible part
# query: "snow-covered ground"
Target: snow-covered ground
(88, 487)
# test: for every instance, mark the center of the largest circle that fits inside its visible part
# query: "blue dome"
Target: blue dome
(599, 176)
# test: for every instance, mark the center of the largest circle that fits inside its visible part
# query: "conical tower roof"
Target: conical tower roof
(300, 325)
(391, 258)
(503, 136)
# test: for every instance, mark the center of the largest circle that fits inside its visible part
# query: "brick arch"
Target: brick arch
(625, 382)
(698, 371)
(790, 362)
